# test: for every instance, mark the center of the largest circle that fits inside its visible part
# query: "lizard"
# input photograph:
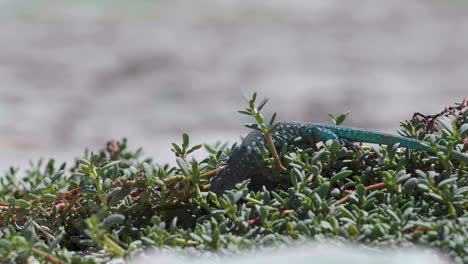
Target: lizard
(244, 161)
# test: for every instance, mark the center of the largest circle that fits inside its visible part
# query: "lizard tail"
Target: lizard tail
(389, 139)
(369, 136)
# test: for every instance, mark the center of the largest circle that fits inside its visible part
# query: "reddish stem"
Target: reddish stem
(372, 187)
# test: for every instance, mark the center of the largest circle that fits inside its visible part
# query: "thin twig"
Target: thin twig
(205, 187)
(430, 120)
(211, 174)
(206, 175)
(47, 256)
(274, 153)
(49, 237)
(372, 187)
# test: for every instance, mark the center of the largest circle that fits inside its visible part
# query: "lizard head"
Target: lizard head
(243, 164)
(224, 180)
(235, 171)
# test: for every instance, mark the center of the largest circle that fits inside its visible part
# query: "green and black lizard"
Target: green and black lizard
(244, 161)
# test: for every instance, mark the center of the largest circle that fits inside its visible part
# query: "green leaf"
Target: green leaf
(335, 192)
(278, 197)
(423, 186)
(450, 180)
(196, 237)
(266, 197)
(116, 195)
(263, 103)
(316, 156)
(147, 241)
(361, 190)
(49, 197)
(352, 230)
(113, 219)
(274, 127)
(5, 244)
(341, 118)
(272, 120)
(323, 189)
(335, 146)
(263, 212)
(462, 190)
(293, 177)
(341, 175)
(402, 178)
(173, 227)
(245, 112)
(23, 204)
(57, 175)
(111, 164)
(299, 173)
(147, 168)
(183, 166)
(176, 148)
(346, 213)
(253, 126)
(333, 117)
(394, 216)
(464, 129)
(338, 120)
(410, 185)
(436, 197)
(314, 169)
(185, 140)
(194, 148)
(445, 122)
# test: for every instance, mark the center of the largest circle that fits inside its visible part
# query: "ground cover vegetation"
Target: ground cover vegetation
(114, 203)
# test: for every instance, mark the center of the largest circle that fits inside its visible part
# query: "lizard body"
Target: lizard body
(244, 161)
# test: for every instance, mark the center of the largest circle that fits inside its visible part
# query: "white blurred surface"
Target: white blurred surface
(310, 253)
(74, 74)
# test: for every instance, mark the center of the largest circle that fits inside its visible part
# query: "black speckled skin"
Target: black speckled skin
(244, 162)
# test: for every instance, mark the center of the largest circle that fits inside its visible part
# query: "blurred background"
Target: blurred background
(74, 74)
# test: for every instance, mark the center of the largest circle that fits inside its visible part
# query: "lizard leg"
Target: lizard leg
(323, 134)
(350, 144)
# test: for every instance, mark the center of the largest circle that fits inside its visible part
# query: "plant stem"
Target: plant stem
(274, 153)
(47, 256)
(206, 187)
(205, 175)
(174, 178)
(212, 173)
(114, 247)
(372, 187)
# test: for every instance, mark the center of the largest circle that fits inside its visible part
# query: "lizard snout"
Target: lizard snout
(222, 181)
